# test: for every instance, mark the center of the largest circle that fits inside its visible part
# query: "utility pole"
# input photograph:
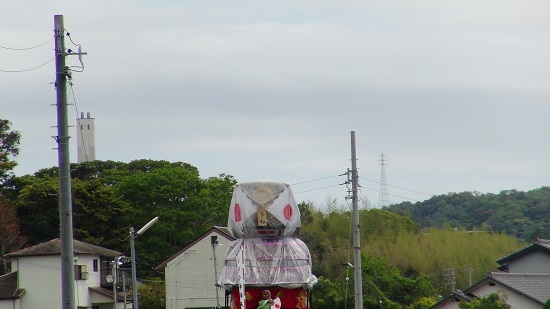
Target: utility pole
(451, 277)
(62, 139)
(356, 242)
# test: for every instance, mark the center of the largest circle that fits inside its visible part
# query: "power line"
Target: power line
(79, 127)
(406, 198)
(26, 70)
(26, 48)
(308, 181)
(321, 188)
(398, 187)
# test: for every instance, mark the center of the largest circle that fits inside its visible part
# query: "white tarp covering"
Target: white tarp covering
(269, 262)
(253, 200)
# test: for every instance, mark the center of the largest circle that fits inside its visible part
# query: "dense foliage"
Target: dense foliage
(402, 266)
(525, 215)
(110, 197)
(491, 301)
(405, 256)
(10, 237)
(9, 149)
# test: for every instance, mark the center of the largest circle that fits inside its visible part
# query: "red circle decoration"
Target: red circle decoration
(237, 213)
(287, 211)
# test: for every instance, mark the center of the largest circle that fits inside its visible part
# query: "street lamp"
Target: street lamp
(214, 242)
(133, 235)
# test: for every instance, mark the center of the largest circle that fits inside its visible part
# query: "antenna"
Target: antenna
(383, 198)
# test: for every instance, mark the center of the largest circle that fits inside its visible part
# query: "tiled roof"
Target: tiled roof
(543, 242)
(8, 286)
(536, 286)
(109, 293)
(456, 296)
(53, 247)
(538, 244)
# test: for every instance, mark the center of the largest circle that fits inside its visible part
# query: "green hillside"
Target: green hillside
(525, 215)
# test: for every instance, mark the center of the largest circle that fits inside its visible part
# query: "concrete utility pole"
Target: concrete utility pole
(358, 288)
(62, 139)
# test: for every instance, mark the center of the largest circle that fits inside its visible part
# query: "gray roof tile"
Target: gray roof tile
(536, 286)
(53, 247)
(8, 286)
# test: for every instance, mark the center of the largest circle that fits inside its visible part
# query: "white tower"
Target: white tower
(85, 138)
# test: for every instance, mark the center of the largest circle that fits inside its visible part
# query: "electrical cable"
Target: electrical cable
(79, 127)
(26, 48)
(26, 70)
(349, 252)
(406, 198)
(308, 181)
(398, 187)
(320, 188)
(79, 56)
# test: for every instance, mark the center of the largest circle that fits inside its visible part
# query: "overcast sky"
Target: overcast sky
(455, 93)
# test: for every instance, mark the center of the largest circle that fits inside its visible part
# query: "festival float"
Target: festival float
(267, 254)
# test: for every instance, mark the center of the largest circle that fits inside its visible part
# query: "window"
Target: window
(80, 272)
(96, 265)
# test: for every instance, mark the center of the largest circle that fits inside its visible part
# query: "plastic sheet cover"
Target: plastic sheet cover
(284, 262)
(263, 209)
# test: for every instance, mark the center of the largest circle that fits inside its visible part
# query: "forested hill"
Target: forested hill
(522, 214)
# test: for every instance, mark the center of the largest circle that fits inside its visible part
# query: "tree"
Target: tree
(330, 295)
(491, 301)
(37, 207)
(9, 147)
(10, 238)
(152, 294)
(100, 216)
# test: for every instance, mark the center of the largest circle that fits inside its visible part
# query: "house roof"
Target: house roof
(532, 286)
(538, 244)
(109, 293)
(53, 247)
(220, 229)
(456, 296)
(8, 286)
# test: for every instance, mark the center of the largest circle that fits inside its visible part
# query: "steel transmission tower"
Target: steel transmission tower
(384, 197)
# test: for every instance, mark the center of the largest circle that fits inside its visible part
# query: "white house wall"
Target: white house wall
(40, 276)
(190, 277)
(512, 298)
(10, 304)
(536, 262)
(449, 304)
(94, 280)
